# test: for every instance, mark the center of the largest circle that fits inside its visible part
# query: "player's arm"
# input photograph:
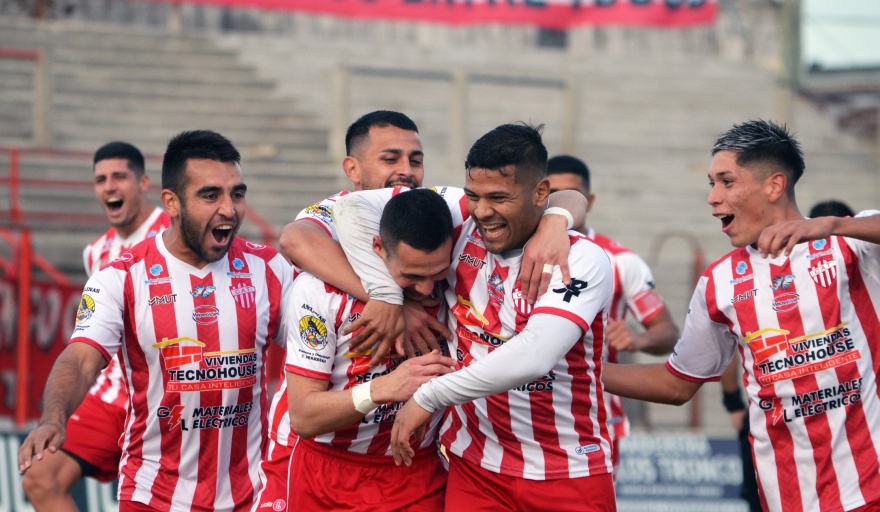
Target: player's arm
(659, 336)
(73, 373)
(305, 244)
(731, 396)
(784, 236)
(648, 382)
(314, 410)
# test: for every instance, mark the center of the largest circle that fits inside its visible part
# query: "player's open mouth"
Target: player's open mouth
(222, 234)
(492, 229)
(114, 204)
(725, 220)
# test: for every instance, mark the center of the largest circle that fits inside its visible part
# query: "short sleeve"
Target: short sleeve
(322, 214)
(706, 347)
(311, 336)
(99, 317)
(637, 284)
(589, 292)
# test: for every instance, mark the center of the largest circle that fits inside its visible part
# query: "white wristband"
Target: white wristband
(360, 395)
(558, 210)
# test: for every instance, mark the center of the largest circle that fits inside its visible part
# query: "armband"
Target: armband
(360, 395)
(557, 210)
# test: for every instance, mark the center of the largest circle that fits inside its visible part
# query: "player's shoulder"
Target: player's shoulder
(240, 246)
(133, 255)
(610, 245)
(102, 238)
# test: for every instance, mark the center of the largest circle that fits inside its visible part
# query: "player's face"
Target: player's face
(570, 181)
(212, 208)
(120, 192)
(387, 157)
(739, 198)
(415, 270)
(506, 212)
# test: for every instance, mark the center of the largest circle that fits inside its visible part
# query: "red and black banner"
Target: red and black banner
(552, 14)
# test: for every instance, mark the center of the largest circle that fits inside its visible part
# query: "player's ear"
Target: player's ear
(776, 184)
(378, 247)
(144, 183)
(352, 169)
(171, 203)
(542, 192)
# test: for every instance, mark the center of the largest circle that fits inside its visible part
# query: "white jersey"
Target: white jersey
(193, 344)
(319, 350)
(633, 292)
(807, 327)
(106, 248)
(553, 427)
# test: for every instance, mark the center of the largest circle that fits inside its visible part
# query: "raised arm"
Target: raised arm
(782, 237)
(73, 373)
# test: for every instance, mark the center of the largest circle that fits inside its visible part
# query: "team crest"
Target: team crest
(320, 212)
(824, 273)
(313, 332)
(244, 294)
(520, 304)
(496, 289)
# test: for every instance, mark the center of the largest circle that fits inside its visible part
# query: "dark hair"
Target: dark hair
(565, 164)
(519, 145)
(831, 208)
(124, 150)
(380, 119)
(419, 218)
(201, 144)
(764, 141)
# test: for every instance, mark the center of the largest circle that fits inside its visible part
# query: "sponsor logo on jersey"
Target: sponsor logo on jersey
(320, 317)
(744, 296)
(205, 314)
(472, 261)
(471, 239)
(825, 273)
(152, 233)
(244, 294)
(742, 279)
(819, 244)
(189, 368)
(240, 275)
(202, 291)
(313, 332)
(170, 298)
(256, 247)
(321, 213)
(590, 448)
(741, 268)
(495, 287)
(782, 282)
(778, 358)
(467, 315)
(541, 385)
(86, 308)
(158, 280)
(237, 264)
(785, 302)
(92, 290)
(572, 290)
(214, 416)
(815, 402)
(155, 270)
(480, 336)
(126, 256)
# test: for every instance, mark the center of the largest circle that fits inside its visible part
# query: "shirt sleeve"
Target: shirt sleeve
(706, 347)
(311, 336)
(321, 214)
(869, 253)
(637, 285)
(99, 318)
(565, 311)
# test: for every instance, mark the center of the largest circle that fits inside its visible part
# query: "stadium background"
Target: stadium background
(641, 100)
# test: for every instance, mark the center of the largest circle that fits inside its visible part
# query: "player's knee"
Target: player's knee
(38, 485)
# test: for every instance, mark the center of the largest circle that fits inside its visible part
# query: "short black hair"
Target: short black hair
(831, 208)
(196, 144)
(124, 150)
(419, 218)
(567, 164)
(518, 144)
(764, 141)
(380, 119)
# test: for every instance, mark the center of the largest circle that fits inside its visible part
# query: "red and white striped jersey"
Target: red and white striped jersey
(318, 350)
(193, 344)
(807, 327)
(553, 427)
(633, 292)
(279, 420)
(106, 248)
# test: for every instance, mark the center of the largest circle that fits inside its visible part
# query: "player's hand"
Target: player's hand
(381, 327)
(423, 331)
(48, 435)
(619, 337)
(781, 238)
(548, 246)
(408, 429)
(399, 385)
